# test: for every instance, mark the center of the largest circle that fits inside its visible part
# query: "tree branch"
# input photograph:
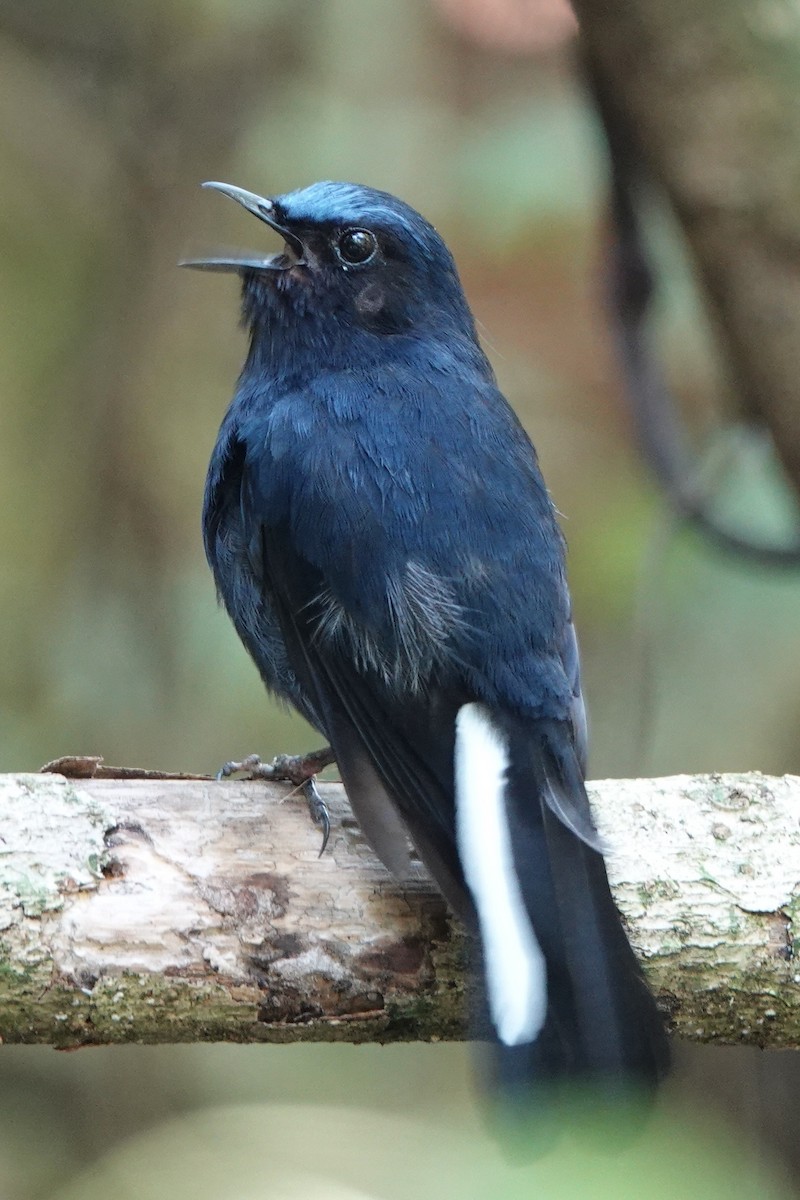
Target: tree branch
(166, 911)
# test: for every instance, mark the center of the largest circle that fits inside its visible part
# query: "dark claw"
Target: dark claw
(252, 765)
(319, 811)
(299, 769)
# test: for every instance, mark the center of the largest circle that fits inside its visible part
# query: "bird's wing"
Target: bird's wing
(234, 552)
(572, 667)
(394, 757)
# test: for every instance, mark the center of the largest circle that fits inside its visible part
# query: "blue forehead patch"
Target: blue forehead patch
(353, 204)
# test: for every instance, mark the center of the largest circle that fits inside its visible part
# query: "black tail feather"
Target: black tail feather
(602, 1027)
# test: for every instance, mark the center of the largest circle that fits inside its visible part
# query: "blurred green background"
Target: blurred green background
(115, 369)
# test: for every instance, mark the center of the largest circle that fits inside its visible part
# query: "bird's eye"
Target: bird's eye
(356, 246)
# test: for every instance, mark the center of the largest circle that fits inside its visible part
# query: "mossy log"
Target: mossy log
(177, 911)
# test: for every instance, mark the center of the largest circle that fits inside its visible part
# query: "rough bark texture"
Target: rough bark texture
(183, 911)
(711, 91)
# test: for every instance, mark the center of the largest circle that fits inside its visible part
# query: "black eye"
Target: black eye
(356, 246)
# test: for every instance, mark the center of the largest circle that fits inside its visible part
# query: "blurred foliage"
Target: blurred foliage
(115, 369)
(331, 1123)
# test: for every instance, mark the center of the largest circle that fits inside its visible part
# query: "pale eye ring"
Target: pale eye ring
(356, 247)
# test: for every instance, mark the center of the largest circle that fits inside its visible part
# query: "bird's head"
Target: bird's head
(356, 262)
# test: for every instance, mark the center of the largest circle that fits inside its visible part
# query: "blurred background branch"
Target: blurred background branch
(704, 100)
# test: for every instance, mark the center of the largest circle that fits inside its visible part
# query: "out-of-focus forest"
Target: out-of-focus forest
(115, 370)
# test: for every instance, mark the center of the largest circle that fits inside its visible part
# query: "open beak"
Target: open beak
(264, 209)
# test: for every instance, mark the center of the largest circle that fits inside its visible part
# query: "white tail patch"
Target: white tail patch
(515, 967)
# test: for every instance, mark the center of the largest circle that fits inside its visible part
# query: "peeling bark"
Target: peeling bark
(174, 911)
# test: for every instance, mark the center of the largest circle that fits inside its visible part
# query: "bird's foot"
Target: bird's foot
(299, 769)
(294, 768)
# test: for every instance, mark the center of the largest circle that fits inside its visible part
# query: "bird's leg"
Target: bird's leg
(299, 769)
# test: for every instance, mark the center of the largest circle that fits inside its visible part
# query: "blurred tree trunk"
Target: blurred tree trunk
(152, 101)
(710, 93)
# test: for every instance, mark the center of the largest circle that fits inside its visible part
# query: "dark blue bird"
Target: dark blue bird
(383, 540)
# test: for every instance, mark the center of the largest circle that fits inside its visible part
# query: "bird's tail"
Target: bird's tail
(566, 997)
